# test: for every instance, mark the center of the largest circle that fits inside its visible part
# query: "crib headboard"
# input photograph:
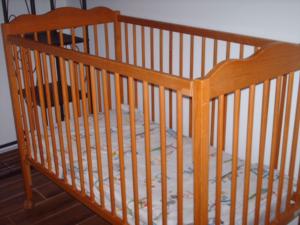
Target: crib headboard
(60, 18)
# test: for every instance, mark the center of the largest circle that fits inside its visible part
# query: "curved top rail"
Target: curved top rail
(65, 17)
(274, 60)
(219, 35)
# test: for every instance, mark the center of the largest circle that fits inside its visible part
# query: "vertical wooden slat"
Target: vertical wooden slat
(162, 114)
(97, 135)
(75, 104)
(108, 142)
(282, 103)
(25, 116)
(121, 147)
(170, 72)
(147, 150)
(200, 150)
(285, 142)
(179, 160)
(241, 51)
(97, 52)
(152, 68)
(143, 46)
(262, 142)
(58, 117)
(87, 133)
(248, 153)
(181, 54)
(35, 107)
(107, 55)
(43, 106)
(29, 101)
(237, 95)
(272, 158)
(203, 46)
(294, 150)
(76, 72)
(219, 159)
(49, 109)
(65, 96)
(134, 152)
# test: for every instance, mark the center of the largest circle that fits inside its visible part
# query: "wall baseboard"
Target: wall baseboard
(9, 146)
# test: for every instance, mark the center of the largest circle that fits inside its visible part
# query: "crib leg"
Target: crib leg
(28, 203)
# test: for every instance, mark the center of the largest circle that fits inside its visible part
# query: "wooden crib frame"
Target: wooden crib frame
(273, 60)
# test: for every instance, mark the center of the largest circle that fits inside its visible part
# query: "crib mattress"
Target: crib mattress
(156, 172)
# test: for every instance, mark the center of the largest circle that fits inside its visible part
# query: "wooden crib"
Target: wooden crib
(143, 124)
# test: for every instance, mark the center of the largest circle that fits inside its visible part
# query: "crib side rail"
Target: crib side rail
(57, 146)
(263, 114)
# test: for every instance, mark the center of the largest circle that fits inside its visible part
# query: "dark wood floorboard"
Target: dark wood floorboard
(52, 204)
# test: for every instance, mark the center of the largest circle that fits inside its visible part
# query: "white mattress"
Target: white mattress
(156, 173)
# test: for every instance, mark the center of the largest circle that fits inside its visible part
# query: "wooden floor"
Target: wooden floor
(52, 205)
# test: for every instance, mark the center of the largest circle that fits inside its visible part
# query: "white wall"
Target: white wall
(7, 127)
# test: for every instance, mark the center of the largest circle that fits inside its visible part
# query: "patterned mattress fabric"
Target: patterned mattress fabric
(171, 152)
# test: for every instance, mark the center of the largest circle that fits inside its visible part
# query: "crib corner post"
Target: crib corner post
(23, 148)
(200, 137)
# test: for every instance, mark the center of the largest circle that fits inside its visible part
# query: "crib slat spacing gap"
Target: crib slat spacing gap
(107, 55)
(147, 150)
(75, 104)
(62, 66)
(152, 68)
(170, 72)
(248, 153)
(42, 103)
(262, 142)
(134, 152)
(192, 38)
(108, 142)
(213, 103)
(272, 158)
(49, 109)
(87, 133)
(135, 60)
(294, 151)
(203, 50)
(127, 54)
(58, 116)
(219, 159)
(227, 56)
(285, 142)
